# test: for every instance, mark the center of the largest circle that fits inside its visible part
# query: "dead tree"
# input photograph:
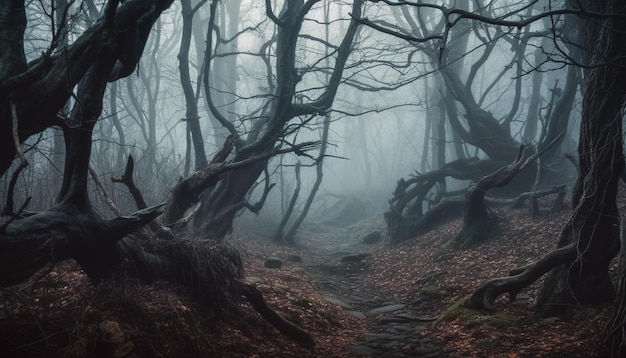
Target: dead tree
(406, 216)
(479, 128)
(590, 239)
(220, 205)
(71, 228)
(477, 221)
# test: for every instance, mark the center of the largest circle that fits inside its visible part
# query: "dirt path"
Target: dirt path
(394, 328)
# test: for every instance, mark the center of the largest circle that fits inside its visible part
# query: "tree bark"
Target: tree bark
(594, 226)
(72, 229)
(590, 239)
(40, 90)
(191, 102)
(12, 27)
(224, 201)
(279, 235)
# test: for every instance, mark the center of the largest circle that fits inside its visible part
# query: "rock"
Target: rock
(273, 262)
(432, 291)
(402, 327)
(522, 297)
(294, 258)
(372, 238)
(385, 309)
(355, 258)
(499, 320)
(393, 344)
(360, 351)
(357, 314)
(391, 330)
(405, 317)
(253, 279)
(379, 337)
(338, 302)
(393, 319)
(428, 351)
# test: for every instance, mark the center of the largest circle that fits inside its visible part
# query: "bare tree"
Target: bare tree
(590, 239)
(221, 204)
(191, 99)
(479, 128)
(108, 50)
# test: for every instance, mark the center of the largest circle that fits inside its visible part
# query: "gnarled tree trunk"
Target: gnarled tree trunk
(220, 205)
(590, 239)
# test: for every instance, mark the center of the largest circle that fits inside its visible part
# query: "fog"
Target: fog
(388, 120)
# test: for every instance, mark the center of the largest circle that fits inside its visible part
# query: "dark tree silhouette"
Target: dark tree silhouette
(579, 266)
(221, 203)
(32, 96)
(479, 128)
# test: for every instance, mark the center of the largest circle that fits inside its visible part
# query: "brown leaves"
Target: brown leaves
(406, 272)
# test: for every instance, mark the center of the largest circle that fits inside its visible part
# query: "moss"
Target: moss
(364, 227)
(301, 301)
(431, 291)
(499, 320)
(347, 263)
(588, 313)
(343, 267)
(457, 310)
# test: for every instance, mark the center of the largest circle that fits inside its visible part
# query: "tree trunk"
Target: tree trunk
(72, 229)
(594, 226)
(222, 203)
(279, 235)
(616, 327)
(319, 176)
(590, 240)
(12, 27)
(477, 222)
(191, 102)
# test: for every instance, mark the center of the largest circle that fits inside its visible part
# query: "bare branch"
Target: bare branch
(270, 13)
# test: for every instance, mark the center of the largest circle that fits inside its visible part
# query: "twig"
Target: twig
(8, 208)
(16, 137)
(17, 215)
(103, 192)
(289, 329)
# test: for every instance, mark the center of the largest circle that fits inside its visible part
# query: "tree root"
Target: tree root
(520, 278)
(285, 327)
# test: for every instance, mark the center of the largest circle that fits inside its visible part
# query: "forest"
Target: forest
(310, 178)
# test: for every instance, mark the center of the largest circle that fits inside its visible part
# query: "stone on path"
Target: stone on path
(273, 262)
(338, 302)
(355, 258)
(428, 351)
(360, 351)
(385, 309)
(253, 279)
(357, 314)
(372, 238)
(403, 318)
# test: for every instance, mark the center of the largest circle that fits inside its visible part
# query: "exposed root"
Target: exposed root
(520, 278)
(285, 327)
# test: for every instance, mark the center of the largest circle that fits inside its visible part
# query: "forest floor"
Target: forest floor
(355, 299)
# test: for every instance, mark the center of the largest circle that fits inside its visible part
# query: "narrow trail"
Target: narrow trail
(389, 296)
(395, 329)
